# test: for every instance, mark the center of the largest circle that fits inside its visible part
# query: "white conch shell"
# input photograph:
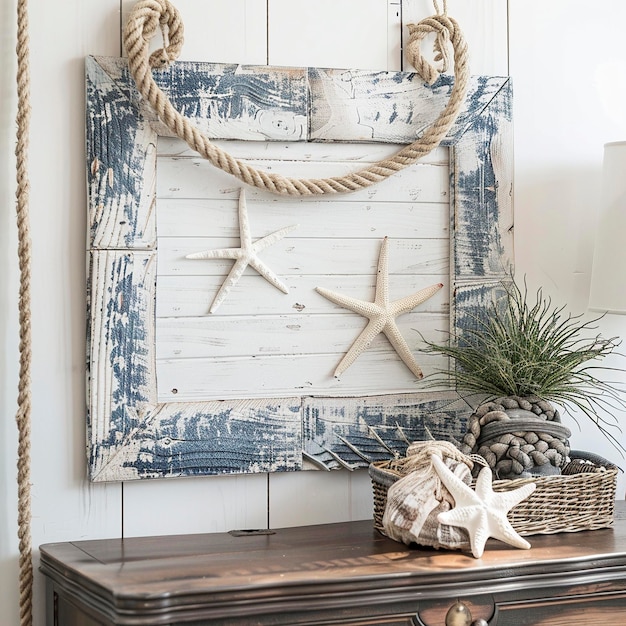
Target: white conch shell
(415, 501)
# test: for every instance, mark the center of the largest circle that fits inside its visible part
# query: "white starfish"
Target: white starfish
(481, 512)
(245, 255)
(382, 316)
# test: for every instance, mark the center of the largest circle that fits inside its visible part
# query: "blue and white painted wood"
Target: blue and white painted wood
(372, 428)
(176, 392)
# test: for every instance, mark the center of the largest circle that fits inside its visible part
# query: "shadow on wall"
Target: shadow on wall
(555, 217)
(555, 220)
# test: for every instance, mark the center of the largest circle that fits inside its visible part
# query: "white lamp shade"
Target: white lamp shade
(608, 278)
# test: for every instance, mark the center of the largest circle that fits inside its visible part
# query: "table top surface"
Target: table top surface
(316, 555)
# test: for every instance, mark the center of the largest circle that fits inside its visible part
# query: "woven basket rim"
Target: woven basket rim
(585, 499)
(377, 469)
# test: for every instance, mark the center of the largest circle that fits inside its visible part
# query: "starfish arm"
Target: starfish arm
(498, 504)
(474, 520)
(382, 276)
(361, 343)
(408, 303)
(501, 500)
(501, 529)
(268, 240)
(399, 344)
(221, 253)
(244, 224)
(233, 276)
(267, 273)
(366, 309)
(478, 539)
(506, 500)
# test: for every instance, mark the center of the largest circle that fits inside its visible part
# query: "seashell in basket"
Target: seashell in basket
(415, 501)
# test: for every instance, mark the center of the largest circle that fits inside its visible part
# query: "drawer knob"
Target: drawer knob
(459, 615)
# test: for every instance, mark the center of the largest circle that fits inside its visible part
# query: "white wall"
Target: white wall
(566, 60)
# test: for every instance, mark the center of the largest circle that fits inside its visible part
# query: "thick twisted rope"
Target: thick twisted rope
(149, 15)
(24, 252)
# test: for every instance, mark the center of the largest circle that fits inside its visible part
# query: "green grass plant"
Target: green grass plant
(522, 348)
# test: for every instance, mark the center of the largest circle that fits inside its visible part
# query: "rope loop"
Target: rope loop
(148, 15)
(447, 32)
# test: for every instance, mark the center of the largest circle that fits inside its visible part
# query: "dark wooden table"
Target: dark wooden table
(344, 573)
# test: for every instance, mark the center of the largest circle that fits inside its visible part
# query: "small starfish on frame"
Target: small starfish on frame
(382, 316)
(481, 512)
(246, 254)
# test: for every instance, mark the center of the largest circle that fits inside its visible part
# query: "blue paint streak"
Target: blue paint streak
(127, 334)
(322, 431)
(112, 122)
(222, 443)
(231, 93)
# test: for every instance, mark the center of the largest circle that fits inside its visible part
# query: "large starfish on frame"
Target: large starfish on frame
(482, 512)
(246, 254)
(382, 316)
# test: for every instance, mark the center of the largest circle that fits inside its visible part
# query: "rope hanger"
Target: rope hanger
(149, 15)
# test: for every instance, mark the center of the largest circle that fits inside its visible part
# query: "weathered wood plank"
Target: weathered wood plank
(193, 380)
(309, 256)
(342, 436)
(482, 232)
(121, 350)
(178, 178)
(121, 160)
(218, 218)
(355, 153)
(228, 101)
(191, 296)
(360, 105)
(225, 437)
(473, 299)
(254, 102)
(218, 337)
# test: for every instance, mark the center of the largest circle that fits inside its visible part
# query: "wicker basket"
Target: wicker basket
(581, 498)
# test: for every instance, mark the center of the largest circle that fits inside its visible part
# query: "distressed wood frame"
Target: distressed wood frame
(130, 434)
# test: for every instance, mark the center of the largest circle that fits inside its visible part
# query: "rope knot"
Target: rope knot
(147, 16)
(446, 32)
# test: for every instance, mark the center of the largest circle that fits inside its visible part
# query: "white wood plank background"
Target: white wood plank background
(571, 72)
(293, 342)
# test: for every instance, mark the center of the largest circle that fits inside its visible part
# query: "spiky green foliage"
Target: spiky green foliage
(523, 349)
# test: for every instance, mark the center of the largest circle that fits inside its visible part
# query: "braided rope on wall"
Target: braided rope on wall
(23, 415)
(148, 16)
